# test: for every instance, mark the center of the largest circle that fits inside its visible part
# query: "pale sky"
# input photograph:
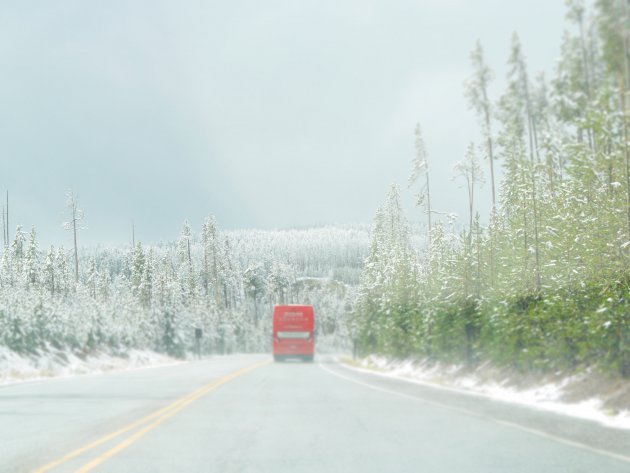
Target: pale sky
(266, 114)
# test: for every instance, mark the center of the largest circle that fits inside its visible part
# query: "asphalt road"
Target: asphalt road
(246, 414)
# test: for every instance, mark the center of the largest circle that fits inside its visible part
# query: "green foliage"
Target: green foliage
(545, 286)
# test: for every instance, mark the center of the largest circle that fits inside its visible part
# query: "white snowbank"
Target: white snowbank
(546, 396)
(55, 363)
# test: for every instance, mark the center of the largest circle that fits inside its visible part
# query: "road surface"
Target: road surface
(244, 413)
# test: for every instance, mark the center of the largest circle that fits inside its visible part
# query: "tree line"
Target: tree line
(155, 296)
(544, 284)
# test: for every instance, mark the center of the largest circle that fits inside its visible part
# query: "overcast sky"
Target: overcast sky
(265, 114)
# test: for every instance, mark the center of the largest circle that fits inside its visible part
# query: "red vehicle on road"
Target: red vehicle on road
(293, 332)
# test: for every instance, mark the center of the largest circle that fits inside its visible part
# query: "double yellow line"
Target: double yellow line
(147, 423)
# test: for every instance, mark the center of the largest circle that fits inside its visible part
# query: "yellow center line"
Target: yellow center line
(113, 435)
(161, 414)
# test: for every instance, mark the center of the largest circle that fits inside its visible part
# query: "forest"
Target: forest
(154, 297)
(544, 285)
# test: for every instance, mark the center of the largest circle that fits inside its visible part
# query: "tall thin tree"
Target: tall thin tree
(420, 166)
(8, 236)
(476, 90)
(470, 169)
(76, 215)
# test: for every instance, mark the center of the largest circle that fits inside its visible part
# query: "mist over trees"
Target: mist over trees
(545, 283)
(153, 297)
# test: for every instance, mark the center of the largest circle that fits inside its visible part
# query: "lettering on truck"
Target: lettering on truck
(293, 332)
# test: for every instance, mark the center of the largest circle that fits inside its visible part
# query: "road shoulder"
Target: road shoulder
(579, 433)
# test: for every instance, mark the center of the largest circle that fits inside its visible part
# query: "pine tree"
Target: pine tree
(138, 267)
(76, 215)
(184, 256)
(518, 122)
(31, 263)
(92, 278)
(255, 284)
(477, 93)
(18, 253)
(62, 271)
(210, 263)
(49, 270)
(420, 167)
(469, 169)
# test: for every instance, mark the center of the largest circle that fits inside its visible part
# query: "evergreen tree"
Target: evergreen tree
(420, 167)
(477, 93)
(31, 262)
(49, 270)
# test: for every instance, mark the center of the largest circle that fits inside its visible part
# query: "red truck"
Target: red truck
(293, 332)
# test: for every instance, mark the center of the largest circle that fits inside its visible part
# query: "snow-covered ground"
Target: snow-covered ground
(55, 363)
(560, 394)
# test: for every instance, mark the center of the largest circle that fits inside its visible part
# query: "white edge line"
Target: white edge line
(513, 425)
(534, 406)
(419, 382)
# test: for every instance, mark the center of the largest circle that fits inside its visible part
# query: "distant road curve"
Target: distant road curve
(243, 413)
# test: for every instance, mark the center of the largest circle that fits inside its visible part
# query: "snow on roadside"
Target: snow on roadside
(16, 367)
(545, 395)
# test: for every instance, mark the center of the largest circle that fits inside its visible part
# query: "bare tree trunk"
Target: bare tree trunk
(471, 195)
(8, 235)
(478, 285)
(536, 238)
(76, 252)
(494, 204)
(76, 215)
(533, 150)
(215, 275)
(587, 82)
(623, 82)
(429, 213)
(525, 234)
(205, 267)
(256, 308)
(490, 147)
